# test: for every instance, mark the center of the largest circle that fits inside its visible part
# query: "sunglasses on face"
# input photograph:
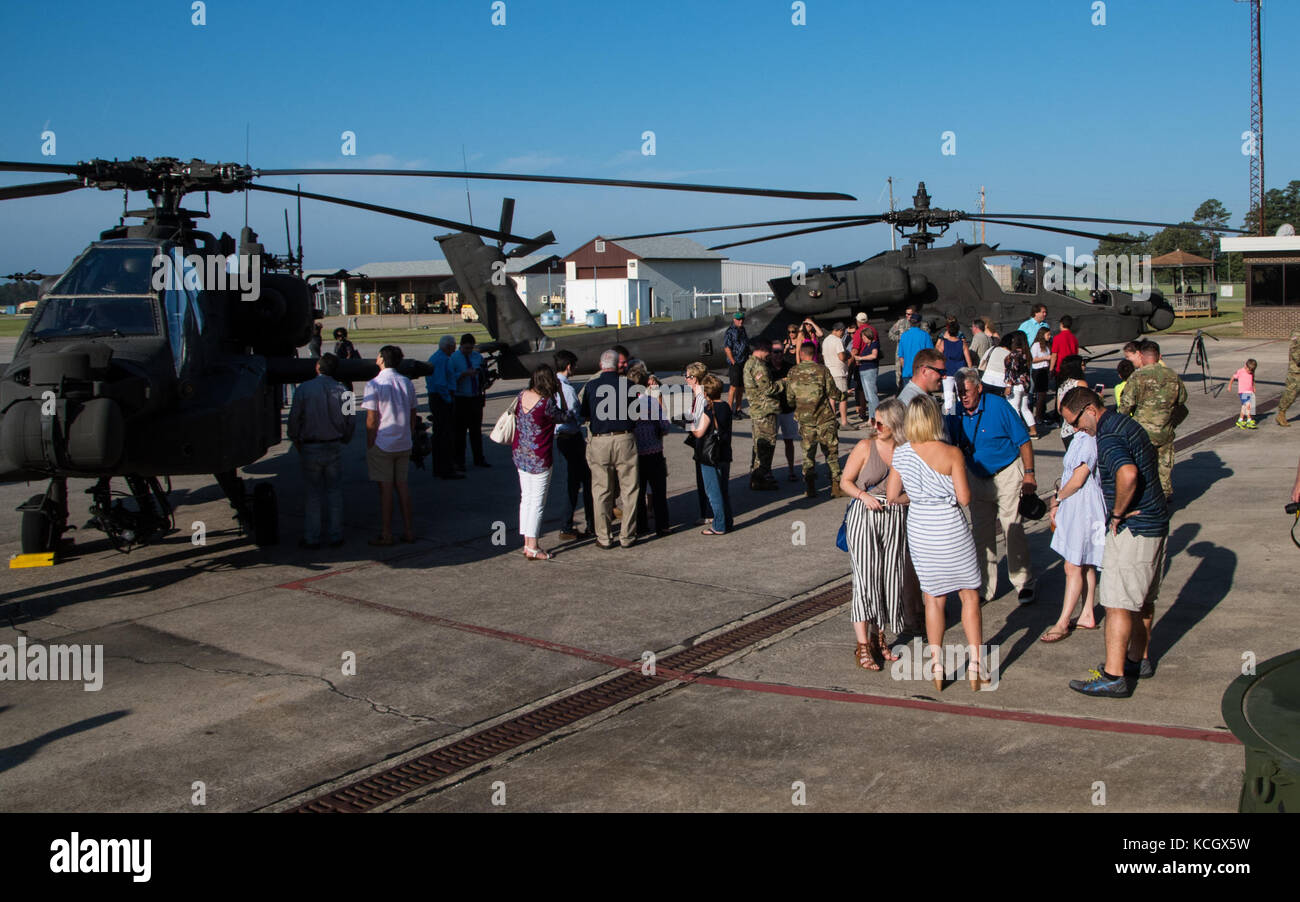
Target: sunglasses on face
(935, 369)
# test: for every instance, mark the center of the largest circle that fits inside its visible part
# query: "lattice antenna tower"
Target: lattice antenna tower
(1256, 114)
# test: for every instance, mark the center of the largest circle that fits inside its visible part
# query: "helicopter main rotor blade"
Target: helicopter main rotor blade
(1041, 228)
(746, 225)
(1167, 225)
(568, 180)
(401, 214)
(838, 225)
(36, 189)
(60, 168)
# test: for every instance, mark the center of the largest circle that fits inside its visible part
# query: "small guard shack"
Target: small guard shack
(1272, 283)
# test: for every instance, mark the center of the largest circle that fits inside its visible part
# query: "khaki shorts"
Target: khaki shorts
(387, 466)
(841, 382)
(1131, 569)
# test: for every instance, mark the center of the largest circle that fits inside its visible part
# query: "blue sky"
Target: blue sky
(1141, 117)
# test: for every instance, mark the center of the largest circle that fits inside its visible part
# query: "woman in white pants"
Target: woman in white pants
(1017, 369)
(538, 408)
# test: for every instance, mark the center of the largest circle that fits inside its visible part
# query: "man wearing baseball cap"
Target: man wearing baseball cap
(736, 346)
(865, 350)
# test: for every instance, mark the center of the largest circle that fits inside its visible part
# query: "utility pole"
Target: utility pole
(983, 237)
(1256, 113)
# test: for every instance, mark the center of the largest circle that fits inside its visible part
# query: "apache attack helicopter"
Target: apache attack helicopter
(964, 280)
(163, 350)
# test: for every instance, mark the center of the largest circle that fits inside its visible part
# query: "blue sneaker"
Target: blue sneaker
(1100, 685)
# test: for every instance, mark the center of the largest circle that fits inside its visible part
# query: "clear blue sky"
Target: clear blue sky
(1140, 117)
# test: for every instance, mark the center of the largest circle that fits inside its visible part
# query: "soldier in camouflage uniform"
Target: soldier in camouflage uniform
(811, 390)
(763, 392)
(1157, 399)
(1292, 387)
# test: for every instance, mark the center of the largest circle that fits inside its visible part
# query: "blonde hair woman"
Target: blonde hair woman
(877, 537)
(932, 473)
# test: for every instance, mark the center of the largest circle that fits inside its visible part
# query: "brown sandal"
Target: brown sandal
(864, 656)
(883, 647)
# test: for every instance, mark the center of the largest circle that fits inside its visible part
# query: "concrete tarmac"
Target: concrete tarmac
(228, 668)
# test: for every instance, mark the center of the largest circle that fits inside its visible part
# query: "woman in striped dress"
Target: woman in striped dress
(877, 536)
(932, 473)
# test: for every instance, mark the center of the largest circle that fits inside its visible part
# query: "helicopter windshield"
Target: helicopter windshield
(109, 270)
(61, 317)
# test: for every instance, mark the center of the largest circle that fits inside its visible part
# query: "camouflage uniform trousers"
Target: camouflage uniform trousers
(1165, 464)
(827, 435)
(1289, 392)
(764, 443)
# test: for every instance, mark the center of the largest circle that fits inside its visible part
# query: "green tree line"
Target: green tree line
(1280, 205)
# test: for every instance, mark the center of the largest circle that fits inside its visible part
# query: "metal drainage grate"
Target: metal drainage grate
(441, 763)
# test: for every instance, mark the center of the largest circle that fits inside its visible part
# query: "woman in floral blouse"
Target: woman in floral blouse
(1017, 368)
(538, 408)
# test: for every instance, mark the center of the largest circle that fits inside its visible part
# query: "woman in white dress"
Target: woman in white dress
(1079, 519)
(932, 473)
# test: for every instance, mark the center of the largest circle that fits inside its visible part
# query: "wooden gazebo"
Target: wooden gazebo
(1188, 300)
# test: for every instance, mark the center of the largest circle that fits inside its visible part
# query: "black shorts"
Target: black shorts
(736, 375)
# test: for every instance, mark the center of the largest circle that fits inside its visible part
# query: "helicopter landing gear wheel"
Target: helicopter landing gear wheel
(266, 515)
(37, 527)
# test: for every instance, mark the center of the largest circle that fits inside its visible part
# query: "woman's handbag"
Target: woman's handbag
(708, 447)
(842, 537)
(503, 433)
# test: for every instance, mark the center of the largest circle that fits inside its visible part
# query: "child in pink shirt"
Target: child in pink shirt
(1245, 379)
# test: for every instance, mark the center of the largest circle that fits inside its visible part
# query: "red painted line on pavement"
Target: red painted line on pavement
(1053, 720)
(668, 675)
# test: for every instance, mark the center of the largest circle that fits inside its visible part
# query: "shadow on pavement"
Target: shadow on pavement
(15, 755)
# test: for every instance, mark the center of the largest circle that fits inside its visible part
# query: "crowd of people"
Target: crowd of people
(958, 435)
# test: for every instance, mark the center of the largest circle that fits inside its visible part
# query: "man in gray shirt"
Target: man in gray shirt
(321, 423)
(927, 378)
(980, 341)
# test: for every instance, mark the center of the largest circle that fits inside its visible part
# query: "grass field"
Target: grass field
(12, 326)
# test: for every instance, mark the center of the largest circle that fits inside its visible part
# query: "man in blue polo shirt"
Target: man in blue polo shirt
(1000, 462)
(440, 385)
(1136, 533)
(911, 341)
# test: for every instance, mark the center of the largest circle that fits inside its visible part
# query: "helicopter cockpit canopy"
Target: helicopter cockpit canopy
(106, 291)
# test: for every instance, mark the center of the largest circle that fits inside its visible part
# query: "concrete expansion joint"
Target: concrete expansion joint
(377, 707)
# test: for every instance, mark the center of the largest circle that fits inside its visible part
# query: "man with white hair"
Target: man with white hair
(1000, 462)
(611, 451)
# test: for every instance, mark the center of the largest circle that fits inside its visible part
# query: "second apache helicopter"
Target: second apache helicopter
(967, 281)
(120, 373)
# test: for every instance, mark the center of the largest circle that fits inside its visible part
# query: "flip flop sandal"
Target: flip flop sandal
(1075, 625)
(1050, 636)
(710, 532)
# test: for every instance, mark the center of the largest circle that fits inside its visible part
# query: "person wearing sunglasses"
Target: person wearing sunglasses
(1137, 530)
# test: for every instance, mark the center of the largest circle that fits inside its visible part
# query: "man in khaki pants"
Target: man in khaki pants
(1000, 462)
(611, 450)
